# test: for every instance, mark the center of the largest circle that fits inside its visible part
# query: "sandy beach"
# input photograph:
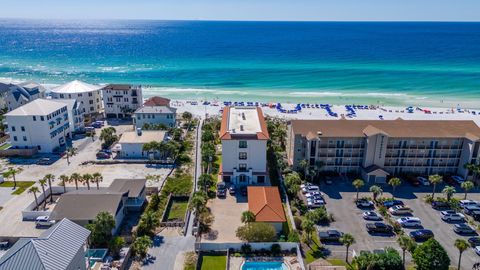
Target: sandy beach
(370, 113)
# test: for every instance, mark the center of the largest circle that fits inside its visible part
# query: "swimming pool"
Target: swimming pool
(264, 266)
(95, 255)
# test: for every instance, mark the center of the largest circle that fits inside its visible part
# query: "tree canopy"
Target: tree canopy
(431, 255)
(101, 229)
(257, 232)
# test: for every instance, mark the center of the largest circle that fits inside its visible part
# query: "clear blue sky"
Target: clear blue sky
(303, 10)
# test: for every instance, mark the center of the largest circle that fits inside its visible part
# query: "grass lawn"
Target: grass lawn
(177, 210)
(337, 262)
(21, 186)
(5, 146)
(214, 262)
(315, 252)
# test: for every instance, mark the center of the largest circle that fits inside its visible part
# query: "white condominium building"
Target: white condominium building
(41, 124)
(121, 100)
(88, 95)
(16, 95)
(244, 136)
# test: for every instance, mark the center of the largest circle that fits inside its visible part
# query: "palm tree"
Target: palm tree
(376, 191)
(97, 178)
(71, 151)
(461, 245)
(12, 172)
(467, 185)
(308, 227)
(358, 184)
(198, 202)
(43, 183)
(394, 182)
(34, 190)
(50, 177)
(405, 243)
(87, 178)
(75, 177)
(64, 180)
(206, 180)
(435, 179)
(474, 169)
(449, 191)
(304, 165)
(248, 217)
(347, 240)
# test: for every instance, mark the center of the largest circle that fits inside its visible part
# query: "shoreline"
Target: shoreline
(365, 112)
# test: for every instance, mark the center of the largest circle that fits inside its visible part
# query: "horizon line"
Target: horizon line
(235, 20)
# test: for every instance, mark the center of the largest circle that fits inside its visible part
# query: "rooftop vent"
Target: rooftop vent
(319, 133)
(243, 116)
(139, 131)
(241, 127)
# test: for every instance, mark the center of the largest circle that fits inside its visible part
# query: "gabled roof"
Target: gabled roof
(134, 187)
(373, 168)
(86, 204)
(37, 107)
(54, 249)
(76, 86)
(266, 204)
(157, 101)
(243, 123)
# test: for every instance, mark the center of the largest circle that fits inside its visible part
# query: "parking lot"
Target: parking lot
(348, 219)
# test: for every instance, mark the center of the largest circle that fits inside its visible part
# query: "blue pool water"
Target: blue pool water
(264, 266)
(95, 255)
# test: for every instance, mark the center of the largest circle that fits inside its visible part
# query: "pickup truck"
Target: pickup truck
(330, 236)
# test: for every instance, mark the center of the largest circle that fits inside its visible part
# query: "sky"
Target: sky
(252, 10)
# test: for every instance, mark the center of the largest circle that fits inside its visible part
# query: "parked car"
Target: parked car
(102, 155)
(423, 181)
(330, 236)
(474, 241)
(458, 179)
(464, 229)
(221, 189)
(449, 180)
(370, 215)
(409, 222)
(310, 188)
(469, 209)
(45, 161)
(440, 205)
(244, 191)
(97, 124)
(477, 250)
(43, 221)
(391, 203)
(312, 194)
(363, 203)
(421, 235)
(412, 180)
(231, 189)
(476, 215)
(464, 203)
(400, 210)
(315, 203)
(451, 215)
(378, 227)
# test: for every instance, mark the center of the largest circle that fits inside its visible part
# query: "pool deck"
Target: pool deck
(237, 262)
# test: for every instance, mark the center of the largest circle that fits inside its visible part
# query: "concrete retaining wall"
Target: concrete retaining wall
(11, 152)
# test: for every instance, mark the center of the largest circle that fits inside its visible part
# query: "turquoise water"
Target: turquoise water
(95, 255)
(264, 266)
(323, 62)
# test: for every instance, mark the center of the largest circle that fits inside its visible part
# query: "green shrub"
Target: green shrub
(246, 249)
(297, 221)
(275, 249)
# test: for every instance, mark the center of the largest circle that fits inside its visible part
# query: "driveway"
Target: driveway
(227, 213)
(166, 250)
(5, 195)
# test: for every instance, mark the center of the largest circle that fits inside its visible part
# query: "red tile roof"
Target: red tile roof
(157, 101)
(266, 204)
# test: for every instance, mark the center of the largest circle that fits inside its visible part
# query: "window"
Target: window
(15, 138)
(34, 118)
(42, 118)
(242, 144)
(242, 155)
(90, 94)
(242, 167)
(24, 138)
(22, 128)
(90, 101)
(13, 128)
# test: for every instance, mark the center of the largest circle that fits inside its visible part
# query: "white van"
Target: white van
(42, 221)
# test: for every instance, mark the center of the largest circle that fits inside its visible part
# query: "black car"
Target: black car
(330, 236)
(421, 235)
(474, 241)
(438, 205)
(464, 229)
(378, 227)
(391, 203)
(476, 215)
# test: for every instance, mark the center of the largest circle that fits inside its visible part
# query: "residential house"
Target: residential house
(244, 136)
(133, 189)
(132, 143)
(154, 115)
(157, 101)
(88, 95)
(21, 94)
(76, 116)
(41, 124)
(379, 148)
(63, 246)
(265, 203)
(121, 100)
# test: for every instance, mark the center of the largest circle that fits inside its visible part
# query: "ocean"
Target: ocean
(392, 63)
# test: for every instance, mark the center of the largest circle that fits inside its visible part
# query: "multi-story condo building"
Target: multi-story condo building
(378, 148)
(121, 100)
(75, 115)
(16, 95)
(155, 111)
(88, 95)
(244, 136)
(41, 124)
